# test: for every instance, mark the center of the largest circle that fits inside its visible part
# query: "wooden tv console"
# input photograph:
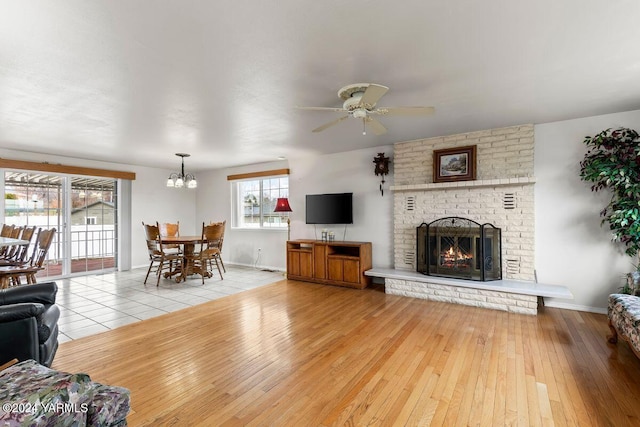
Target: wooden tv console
(331, 263)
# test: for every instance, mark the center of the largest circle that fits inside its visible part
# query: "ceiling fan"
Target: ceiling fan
(360, 101)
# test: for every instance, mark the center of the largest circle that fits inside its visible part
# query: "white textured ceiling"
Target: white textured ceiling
(136, 81)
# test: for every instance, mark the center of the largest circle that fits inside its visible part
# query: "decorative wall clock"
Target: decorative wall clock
(382, 168)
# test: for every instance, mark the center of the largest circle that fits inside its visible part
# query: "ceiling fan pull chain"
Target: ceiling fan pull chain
(364, 126)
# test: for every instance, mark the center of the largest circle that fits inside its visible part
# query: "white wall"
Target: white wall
(572, 249)
(336, 173)
(348, 172)
(151, 200)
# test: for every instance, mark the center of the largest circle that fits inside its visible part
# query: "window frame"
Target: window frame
(238, 195)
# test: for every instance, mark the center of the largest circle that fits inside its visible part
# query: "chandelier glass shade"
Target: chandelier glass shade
(180, 180)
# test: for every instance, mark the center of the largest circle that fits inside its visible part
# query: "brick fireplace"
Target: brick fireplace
(502, 195)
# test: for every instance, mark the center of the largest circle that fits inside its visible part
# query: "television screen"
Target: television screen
(329, 208)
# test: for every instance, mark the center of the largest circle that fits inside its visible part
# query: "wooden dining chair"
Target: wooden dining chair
(158, 257)
(220, 241)
(209, 252)
(6, 231)
(13, 232)
(8, 252)
(169, 229)
(11, 275)
(17, 254)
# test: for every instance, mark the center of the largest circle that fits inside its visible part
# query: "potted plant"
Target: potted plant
(612, 162)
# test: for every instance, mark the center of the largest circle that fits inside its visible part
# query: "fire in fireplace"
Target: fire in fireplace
(460, 248)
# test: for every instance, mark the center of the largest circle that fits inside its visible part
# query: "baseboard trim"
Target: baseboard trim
(257, 267)
(574, 307)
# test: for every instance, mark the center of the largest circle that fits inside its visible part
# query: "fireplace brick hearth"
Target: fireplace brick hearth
(502, 195)
(495, 300)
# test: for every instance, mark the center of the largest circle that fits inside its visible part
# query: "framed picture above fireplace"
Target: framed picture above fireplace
(454, 164)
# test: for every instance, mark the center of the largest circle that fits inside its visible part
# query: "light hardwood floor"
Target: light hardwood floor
(301, 354)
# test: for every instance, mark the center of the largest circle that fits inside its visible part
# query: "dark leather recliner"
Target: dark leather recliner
(29, 323)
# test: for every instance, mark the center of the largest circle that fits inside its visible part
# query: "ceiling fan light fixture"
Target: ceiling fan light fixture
(360, 113)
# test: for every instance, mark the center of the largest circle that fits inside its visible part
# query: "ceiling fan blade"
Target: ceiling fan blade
(404, 111)
(377, 127)
(373, 94)
(323, 109)
(327, 125)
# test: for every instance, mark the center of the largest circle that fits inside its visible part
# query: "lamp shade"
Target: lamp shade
(282, 205)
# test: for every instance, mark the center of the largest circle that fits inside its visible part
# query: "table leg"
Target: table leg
(187, 263)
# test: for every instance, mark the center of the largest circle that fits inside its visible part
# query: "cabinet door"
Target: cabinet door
(335, 269)
(293, 263)
(306, 264)
(351, 270)
(300, 263)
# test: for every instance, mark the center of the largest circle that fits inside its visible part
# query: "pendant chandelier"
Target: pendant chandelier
(179, 180)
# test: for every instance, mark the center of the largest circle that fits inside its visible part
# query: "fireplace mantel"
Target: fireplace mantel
(527, 180)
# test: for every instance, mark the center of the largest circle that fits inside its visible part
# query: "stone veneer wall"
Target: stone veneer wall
(502, 194)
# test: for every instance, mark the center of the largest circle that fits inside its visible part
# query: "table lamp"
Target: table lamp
(282, 205)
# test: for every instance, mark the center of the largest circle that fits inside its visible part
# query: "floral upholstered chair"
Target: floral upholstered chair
(624, 320)
(34, 395)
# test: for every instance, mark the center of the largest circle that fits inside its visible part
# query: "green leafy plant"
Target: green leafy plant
(612, 162)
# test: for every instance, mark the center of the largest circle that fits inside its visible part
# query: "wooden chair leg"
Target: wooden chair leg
(218, 265)
(159, 273)
(613, 338)
(148, 271)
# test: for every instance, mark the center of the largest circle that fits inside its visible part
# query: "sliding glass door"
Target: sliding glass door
(93, 219)
(82, 210)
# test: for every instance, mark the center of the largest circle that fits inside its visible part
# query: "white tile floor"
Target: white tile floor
(96, 303)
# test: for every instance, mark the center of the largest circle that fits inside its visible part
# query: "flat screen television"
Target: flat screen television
(329, 208)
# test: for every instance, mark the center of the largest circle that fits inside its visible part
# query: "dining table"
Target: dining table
(10, 241)
(188, 244)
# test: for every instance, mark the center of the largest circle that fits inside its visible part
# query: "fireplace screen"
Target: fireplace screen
(459, 248)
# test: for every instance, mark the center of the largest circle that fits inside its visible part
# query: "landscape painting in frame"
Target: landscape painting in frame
(454, 164)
